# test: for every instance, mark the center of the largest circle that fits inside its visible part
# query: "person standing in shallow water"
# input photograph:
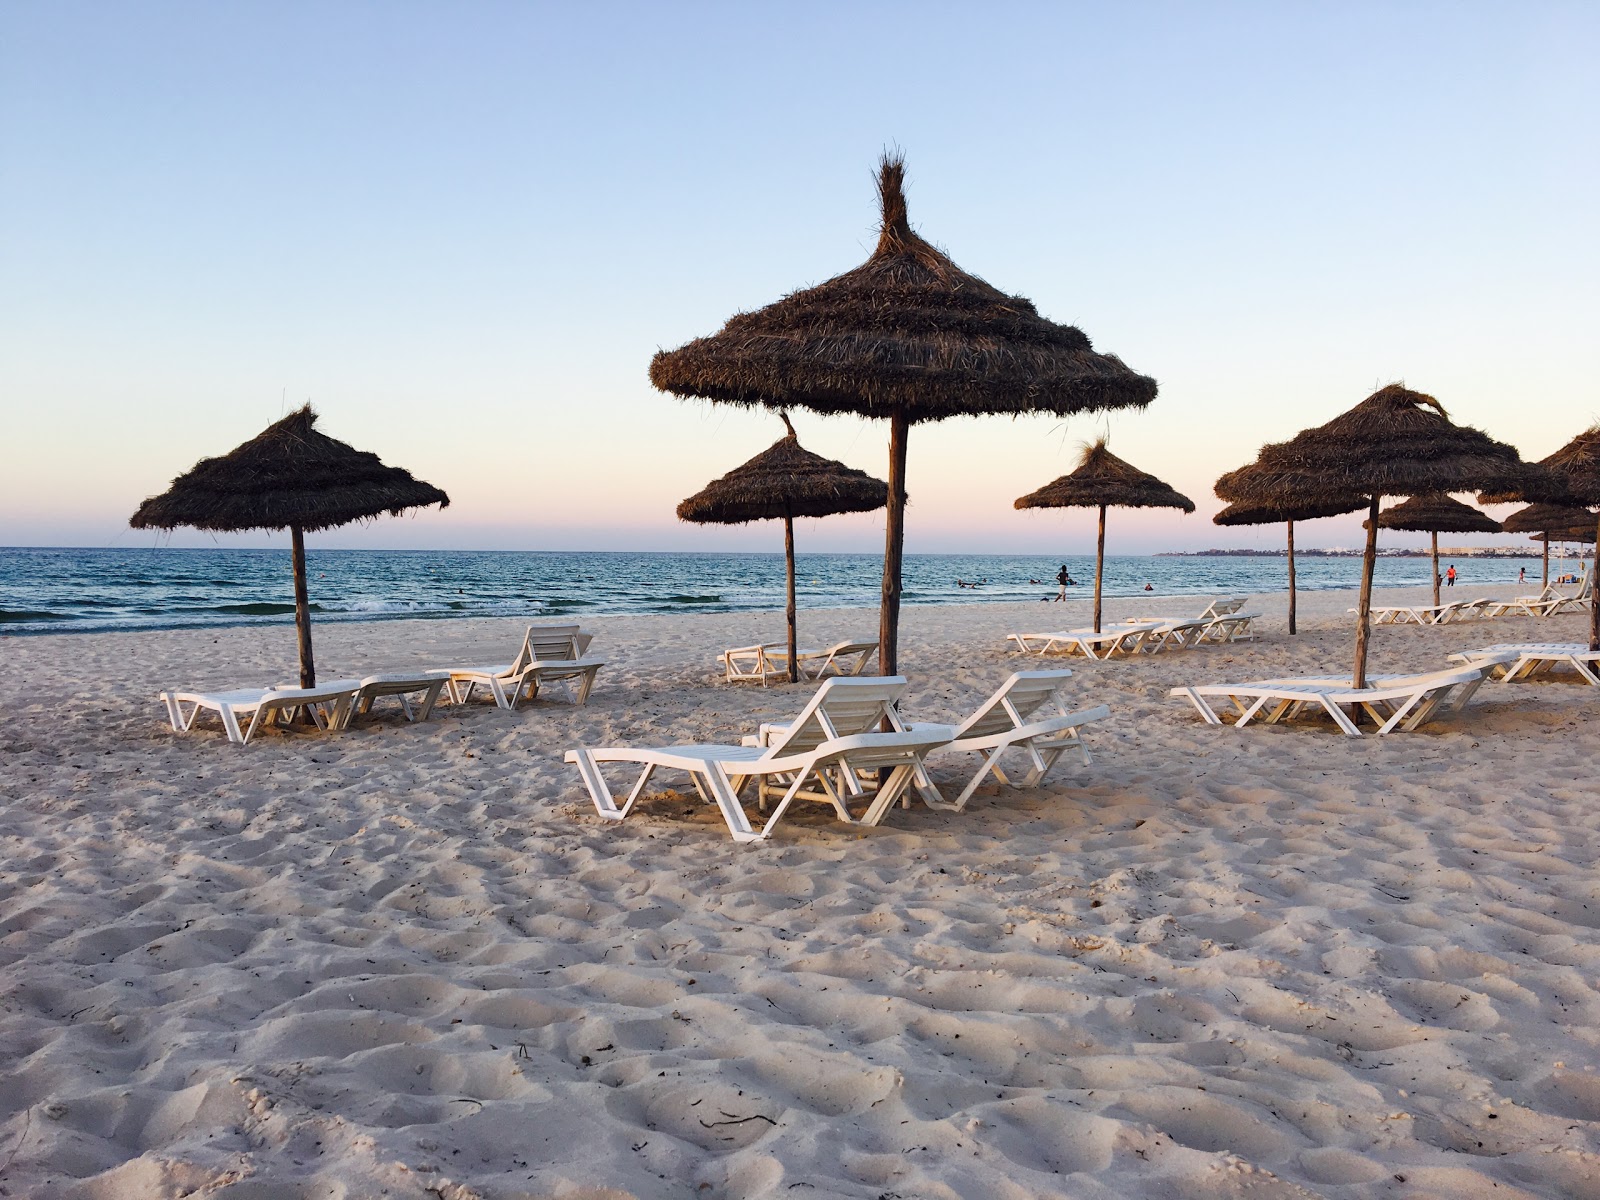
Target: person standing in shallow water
(1450, 576)
(1062, 579)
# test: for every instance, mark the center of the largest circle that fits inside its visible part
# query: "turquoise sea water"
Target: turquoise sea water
(85, 590)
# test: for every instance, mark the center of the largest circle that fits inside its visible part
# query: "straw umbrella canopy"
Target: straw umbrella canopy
(1435, 513)
(1551, 523)
(1396, 442)
(1287, 514)
(289, 476)
(908, 337)
(783, 482)
(1576, 469)
(1102, 480)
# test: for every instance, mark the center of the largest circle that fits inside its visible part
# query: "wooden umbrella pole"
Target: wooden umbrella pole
(1434, 534)
(1545, 582)
(1291, 578)
(1099, 565)
(788, 557)
(302, 607)
(894, 530)
(1369, 561)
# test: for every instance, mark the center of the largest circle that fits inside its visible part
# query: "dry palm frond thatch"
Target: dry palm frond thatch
(1576, 468)
(290, 476)
(783, 482)
(1286, 514)
(908, 336)
(1396, 442)
(1434, 513)
(1102, 480)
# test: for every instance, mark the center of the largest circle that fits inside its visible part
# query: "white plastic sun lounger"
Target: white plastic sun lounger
(821, 755)
(1113, 639)
(771, 661)
(1009, 719)
(1409, 614)
(758, 663)
(329, 705)
(548, 653)
(1394, 702)
(425, 687)
(1529, 660)
(842, 658)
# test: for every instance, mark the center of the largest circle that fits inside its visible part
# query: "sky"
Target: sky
(461, 231)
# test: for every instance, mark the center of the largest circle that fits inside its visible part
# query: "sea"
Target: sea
(45, 590)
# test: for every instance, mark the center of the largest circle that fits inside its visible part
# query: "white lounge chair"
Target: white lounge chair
(758, 663)
(329, 705)
(1394, 701)
(1409, 614)
(1113, 639)
(1550, 601)
(842, 658)
(1009, 719)
(1528, 660)
(364, 692)
(548, 653)
(771, 661)
(831, 745)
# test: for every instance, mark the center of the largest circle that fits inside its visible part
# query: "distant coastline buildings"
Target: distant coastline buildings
(1340, 552)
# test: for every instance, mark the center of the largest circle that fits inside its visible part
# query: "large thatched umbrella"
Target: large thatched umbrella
(1576, 469)
(908, 336)
(1551, 523)
(1434, 513)
(1287, 514)
(1102, 480)
(781, 483)
(289, 476)
(1396, 442)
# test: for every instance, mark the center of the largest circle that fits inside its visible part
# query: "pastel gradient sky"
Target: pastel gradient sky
(461, 230)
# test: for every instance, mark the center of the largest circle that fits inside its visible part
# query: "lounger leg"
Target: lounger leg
(1204, 709)
(599, 792)
(721, 789)
(1339, 717)
(585, 682)
(927, 789)
(1582, 669)
(1249, 714)
(899, 780)
(230, 722)
(175, 713)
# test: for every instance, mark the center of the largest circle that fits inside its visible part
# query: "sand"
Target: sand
(410, 961)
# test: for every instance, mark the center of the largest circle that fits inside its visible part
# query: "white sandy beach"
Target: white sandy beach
(410, 961)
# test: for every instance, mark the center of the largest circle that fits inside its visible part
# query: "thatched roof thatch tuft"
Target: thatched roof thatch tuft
(289, 475)
(907, 332)
(1576, 469)
(1436, 513)
(785, 480)
(1396, 442)
(1103, 478)
(1278, 514)
(1549, 518)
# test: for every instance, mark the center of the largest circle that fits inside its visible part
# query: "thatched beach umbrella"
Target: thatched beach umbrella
(1287, 514)
(1102, 480)
(1435, 513)
(781, 483)
(908, 336)
(1552, 524)
(1576, 470)
(289, 476)
(1396, 442)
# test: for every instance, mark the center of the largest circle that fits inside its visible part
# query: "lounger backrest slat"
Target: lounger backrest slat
(841, 707)
(552, 643)
(1026, 692)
